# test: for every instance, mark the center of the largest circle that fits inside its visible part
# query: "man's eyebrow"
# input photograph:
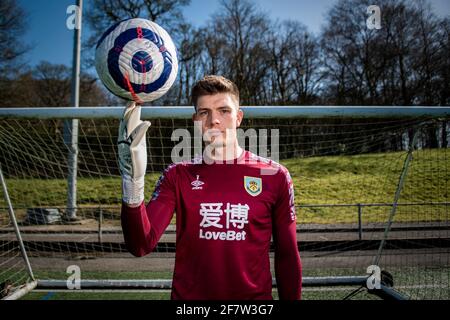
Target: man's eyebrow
(208, 108)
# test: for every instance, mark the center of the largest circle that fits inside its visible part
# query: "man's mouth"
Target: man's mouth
(213, 132)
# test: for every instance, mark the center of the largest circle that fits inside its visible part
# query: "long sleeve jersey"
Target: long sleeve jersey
(226, 214)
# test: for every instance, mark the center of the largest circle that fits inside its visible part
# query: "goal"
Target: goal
(371, 194)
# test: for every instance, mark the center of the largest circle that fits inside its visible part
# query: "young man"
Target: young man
(228, 204)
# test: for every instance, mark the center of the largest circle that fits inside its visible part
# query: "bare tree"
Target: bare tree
(101, 14)
(431, 57)
(239, 50)
(190, 67)
(444, 72)
(396, 65)
(12, 26)
(347, 54)
(12, 50)
(52, 84)
(280, 44)
(295, 64)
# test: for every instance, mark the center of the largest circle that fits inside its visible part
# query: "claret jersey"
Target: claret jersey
(225, 217)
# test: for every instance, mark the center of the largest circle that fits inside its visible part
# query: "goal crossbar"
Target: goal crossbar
(249, 111)
(167, 283)
(384, 291)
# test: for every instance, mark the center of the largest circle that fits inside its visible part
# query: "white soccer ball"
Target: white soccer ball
(136, 60)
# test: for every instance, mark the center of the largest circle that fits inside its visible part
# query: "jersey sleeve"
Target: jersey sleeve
(288, 268)
(143, 226)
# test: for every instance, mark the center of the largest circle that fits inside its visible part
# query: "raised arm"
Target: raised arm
(142, 225)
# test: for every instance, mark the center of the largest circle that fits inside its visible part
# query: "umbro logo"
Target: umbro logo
(197, 184)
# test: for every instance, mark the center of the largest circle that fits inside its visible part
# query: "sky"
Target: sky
(52, 41)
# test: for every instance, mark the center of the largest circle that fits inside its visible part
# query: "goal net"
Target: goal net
(371, 194)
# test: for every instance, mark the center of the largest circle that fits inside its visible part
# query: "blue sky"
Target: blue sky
(52, 41)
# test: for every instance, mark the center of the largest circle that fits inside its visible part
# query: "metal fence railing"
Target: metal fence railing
(360, 206)
(98, 213)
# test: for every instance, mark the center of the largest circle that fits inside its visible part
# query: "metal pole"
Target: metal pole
(316, 112)
(167, 284)
(15, 226)
(100, 220)
(71, 126)
(401, 182)
(22, 291)
(387, 293)
(359, 221)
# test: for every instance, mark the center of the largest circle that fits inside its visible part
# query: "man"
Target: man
(228, 204)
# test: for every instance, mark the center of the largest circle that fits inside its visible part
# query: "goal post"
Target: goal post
(14, 289)
(183, 112)
(371, 193)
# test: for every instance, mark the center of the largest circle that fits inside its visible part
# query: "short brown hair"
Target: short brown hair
(212, 84)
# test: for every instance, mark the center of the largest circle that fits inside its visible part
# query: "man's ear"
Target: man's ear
(240, 116)
(194, 116)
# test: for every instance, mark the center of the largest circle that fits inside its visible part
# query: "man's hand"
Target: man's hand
(132, 149)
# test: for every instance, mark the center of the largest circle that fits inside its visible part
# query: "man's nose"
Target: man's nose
(214, 118)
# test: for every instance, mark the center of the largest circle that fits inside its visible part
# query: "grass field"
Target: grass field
(366, 178)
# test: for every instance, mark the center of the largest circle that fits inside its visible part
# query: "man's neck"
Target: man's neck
(223, 154)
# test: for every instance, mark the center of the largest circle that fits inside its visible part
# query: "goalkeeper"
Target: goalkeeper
(228, 204)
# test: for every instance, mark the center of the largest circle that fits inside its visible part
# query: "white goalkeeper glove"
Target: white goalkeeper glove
(132, 149)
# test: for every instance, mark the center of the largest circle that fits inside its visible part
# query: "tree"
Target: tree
(12, 49)
(295, 65)
(444, 71)
(49, 85)
(52, 84)
(396, 65)
(101, 14)
(190, 68)
(349, 51)
(238, 48)
(12, 25)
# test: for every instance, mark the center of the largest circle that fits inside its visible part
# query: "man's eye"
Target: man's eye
(202, 113)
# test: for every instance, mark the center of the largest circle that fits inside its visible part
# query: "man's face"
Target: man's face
(220, 116)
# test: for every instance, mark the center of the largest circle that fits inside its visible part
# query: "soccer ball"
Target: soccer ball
(136, 60)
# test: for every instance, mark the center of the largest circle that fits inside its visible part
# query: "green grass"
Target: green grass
(366, 178)
(53, 192)
(83, 295)
(104, 275)
(371, 178)
(99, 295)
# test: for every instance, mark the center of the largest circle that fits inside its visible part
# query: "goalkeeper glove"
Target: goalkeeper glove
(132, 148)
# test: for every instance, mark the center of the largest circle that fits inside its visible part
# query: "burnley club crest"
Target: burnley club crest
(253, 185)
